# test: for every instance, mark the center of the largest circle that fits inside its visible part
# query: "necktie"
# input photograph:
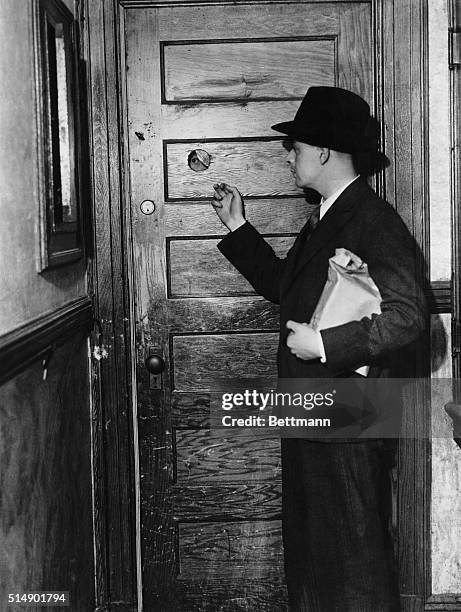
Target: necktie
(314, 219)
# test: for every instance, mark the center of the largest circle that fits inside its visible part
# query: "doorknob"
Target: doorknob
(155, 363)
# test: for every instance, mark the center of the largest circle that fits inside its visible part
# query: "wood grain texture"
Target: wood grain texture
(148, 273)
(46, 529)
(206, 362)
(211, 550)
(95, 58)
(209, 120)
(190, 409)
(403, 37)
(246, 70)
(227, 593)
(112, 418)
(212, 457)
(280, 216)
(222, 314)
(197, 268)
(247, 21)
(259, 169)
(200, 503)
(199, 362)
(405, 80)
(355, 51)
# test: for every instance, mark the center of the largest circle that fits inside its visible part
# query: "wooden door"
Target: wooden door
(214, 78)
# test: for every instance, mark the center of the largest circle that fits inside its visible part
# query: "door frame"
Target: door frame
(454, 45)
(400, 97)
(113, 421)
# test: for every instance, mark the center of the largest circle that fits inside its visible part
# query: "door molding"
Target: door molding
(113, 421)
(401, 100)
(405, 90)
(455, 137)
(157, 3)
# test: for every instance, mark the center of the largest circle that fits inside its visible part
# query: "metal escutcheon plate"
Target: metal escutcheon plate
(147, 207)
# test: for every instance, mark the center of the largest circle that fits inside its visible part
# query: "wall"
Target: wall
(25, 294)
(45, 510)
(446, 456)
(46, 531)
(439, 142)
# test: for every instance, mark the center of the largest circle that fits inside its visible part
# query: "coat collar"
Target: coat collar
(335, 218)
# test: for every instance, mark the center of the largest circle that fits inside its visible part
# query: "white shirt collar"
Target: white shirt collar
(328, 203)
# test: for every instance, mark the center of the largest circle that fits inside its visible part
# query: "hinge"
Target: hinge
(454, 48)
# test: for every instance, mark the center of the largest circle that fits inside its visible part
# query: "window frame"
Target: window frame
(60, 242)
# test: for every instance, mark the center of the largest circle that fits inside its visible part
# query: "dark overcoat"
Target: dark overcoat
(369, 227)
(335, 502)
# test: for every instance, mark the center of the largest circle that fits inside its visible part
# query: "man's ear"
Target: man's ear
(324, 155)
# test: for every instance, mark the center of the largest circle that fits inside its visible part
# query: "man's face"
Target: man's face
(305, 165)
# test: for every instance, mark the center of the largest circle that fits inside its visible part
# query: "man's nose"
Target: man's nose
(290, 157)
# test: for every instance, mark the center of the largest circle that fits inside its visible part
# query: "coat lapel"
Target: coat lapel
(335, 218)
(296, 251)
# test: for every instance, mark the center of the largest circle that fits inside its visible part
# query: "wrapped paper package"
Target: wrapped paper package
(349, 293)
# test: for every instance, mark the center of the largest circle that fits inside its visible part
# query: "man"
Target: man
(336, 544)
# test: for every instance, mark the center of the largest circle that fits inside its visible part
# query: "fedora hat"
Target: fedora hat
(330, 117)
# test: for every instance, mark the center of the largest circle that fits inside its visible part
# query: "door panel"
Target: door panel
(205, 549)
(224, 120)
(258, 166)
(186, 222)
(221, 502)
(243, 70)
(200, 363)
(194, 272)
(205, 456)
(216, 78)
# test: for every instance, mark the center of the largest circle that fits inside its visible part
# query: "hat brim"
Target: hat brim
(313, 138)
(284, 128)
(289, 129)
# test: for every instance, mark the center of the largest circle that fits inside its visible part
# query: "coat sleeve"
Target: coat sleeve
(390, 252)
(255, 259)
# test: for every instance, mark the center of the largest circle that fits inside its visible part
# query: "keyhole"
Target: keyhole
(198, 160)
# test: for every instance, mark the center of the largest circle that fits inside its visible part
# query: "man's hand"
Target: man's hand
(228, 205)
(303, 341)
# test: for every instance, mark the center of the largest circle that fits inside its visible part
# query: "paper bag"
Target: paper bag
(349, 293)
